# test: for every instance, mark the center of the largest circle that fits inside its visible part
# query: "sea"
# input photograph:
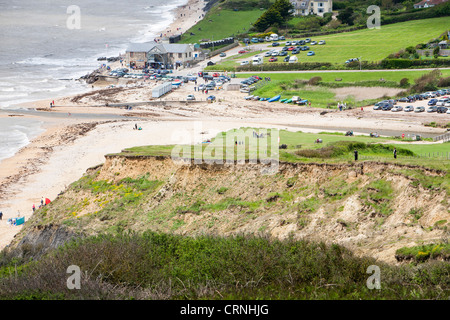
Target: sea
(46, 45)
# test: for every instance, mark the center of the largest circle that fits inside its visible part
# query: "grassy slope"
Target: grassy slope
(218, 24)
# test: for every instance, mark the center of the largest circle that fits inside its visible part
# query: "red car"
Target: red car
(215, 74)
(273, 59)
(242, 51)
(291, 48)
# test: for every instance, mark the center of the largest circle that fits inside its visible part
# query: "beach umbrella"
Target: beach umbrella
(47, 201)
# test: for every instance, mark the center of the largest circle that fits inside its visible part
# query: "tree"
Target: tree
(279, 12)
(346, 16)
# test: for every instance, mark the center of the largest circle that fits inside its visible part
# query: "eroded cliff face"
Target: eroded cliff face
(371, 208)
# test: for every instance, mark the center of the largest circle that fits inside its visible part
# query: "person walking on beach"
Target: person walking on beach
(395, 153)
(1, 215)
(356, 154)
(34, 208)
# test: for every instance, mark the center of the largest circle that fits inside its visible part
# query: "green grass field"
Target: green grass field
(219, 24)
(375, 44)
(350, 76)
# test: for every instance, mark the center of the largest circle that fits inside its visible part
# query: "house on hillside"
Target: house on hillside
(158, 55)
(307, 7)
(428, 3)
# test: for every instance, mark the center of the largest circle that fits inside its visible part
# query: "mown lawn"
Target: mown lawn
(375, 44)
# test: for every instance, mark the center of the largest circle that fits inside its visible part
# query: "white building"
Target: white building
(307, 7)
(152, 54)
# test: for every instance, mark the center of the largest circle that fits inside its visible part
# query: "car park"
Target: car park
(408, 109)
(432, 109)
(419, 109)
(396, 109)
(441, 109)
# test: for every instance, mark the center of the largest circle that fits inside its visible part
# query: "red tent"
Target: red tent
(47, 201)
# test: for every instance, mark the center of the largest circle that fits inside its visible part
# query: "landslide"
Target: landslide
(371, 208)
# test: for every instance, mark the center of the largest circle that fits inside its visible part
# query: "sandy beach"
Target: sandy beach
(79, 130)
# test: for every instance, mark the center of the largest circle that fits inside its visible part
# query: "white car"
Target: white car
(448, 111)
(442, 102)
(190, 97)
(244, 63)
(396, 109)
(322, 42)
(408, 109)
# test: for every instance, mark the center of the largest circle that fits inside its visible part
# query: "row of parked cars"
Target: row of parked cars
(247, 84)
(438, 102)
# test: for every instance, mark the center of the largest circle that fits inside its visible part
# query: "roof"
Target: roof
(165, 47)
(429, 2)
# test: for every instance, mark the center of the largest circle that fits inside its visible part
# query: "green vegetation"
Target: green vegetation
(219, 24)
(424, 252)
(162, 266)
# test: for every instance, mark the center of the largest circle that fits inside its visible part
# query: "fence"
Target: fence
(445, 137)
(427, 155)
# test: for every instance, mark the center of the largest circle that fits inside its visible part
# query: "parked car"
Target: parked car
(244, 63)
(295, 51)
(351, 60)
(404, 99)
(432, 109)
(288, 43)
(307, 40)
(322, 42)
(212, 98)
(310, 53)
(281, 38)
(268, 54)
(396, 109)
(283, 53)
(377, 106)
(441, 102)
(222, 54)
(419, 109)
(273, 59)
(432, 102)
(242, 51)
(275, 44)
(304, 48)
(408, 109)
(387, 107)
(441, 109)
(190, 97)
(286, 59)
(313, 43)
